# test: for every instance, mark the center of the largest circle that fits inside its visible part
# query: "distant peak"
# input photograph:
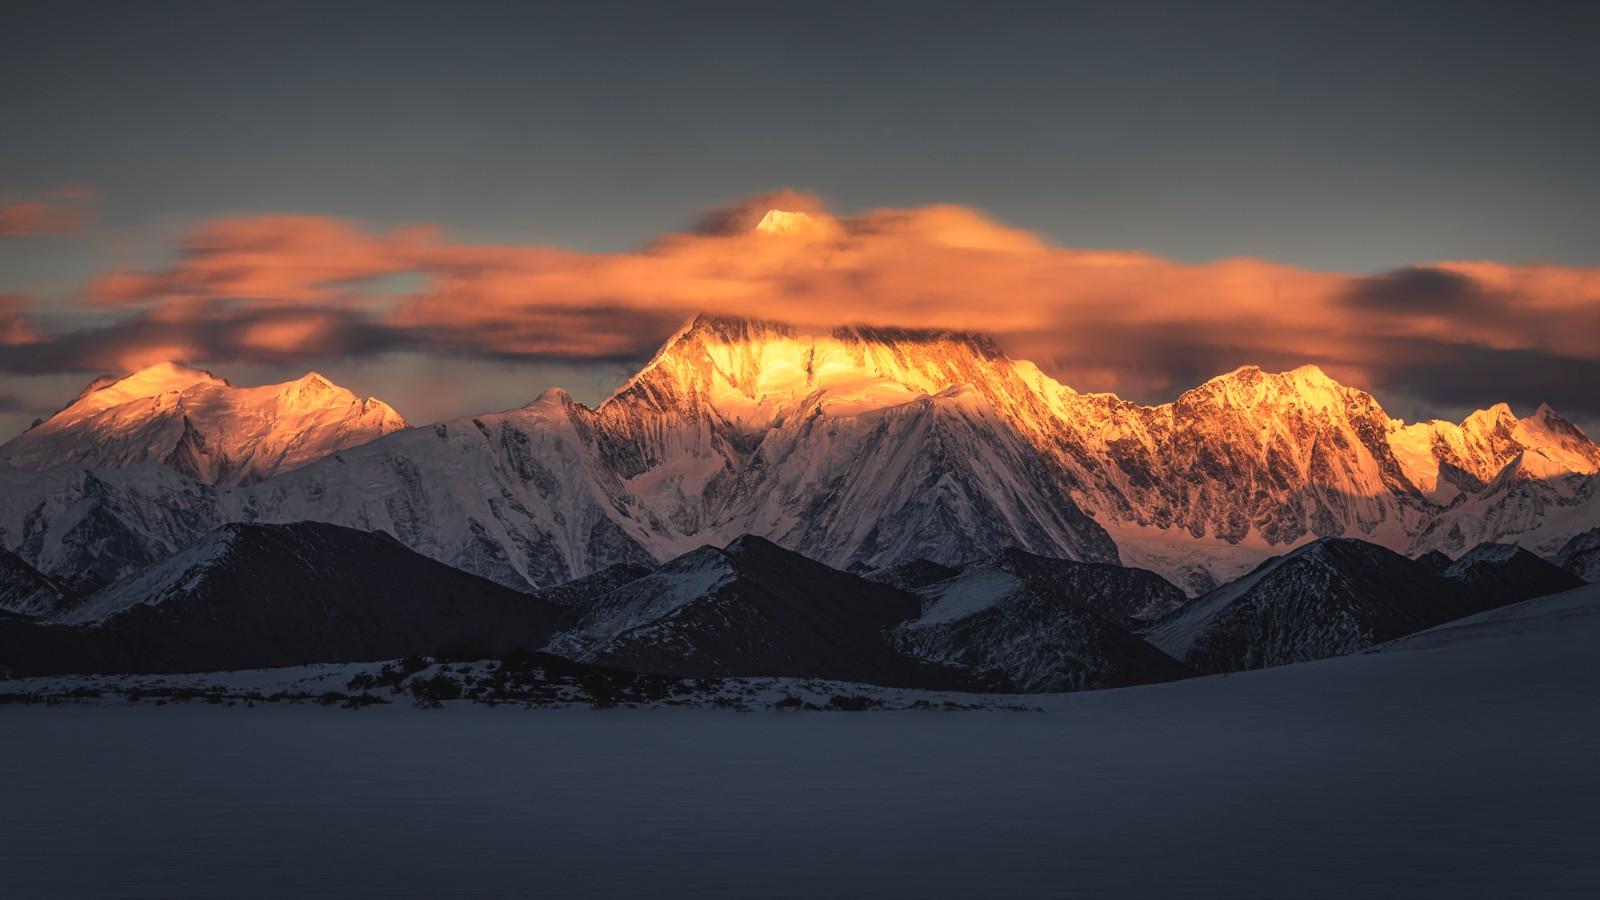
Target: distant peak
(976, 341)
(1311, 372)
(783, 221)
(1488, 418)
(732, 328)
(168, 370)
(146, 382)
(1306, 386)
(313, 390)
(202, 426)
(552, 396)
(309, 384)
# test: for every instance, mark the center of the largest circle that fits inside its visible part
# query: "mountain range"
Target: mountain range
(1335, 596)
(860, 448)
(252, 596)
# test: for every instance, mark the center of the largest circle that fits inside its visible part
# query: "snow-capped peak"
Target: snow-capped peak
(1557, 446)
(150, 381)
(783, 221)
(203, 426)
(751, 371)
(310, 387)
(1487, 443)
(1249, 387)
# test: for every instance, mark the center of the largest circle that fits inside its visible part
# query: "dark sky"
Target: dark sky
(1331, 136)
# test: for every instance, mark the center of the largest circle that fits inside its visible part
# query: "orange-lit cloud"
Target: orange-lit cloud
(15, 329)
(63, 211)
(288, 287)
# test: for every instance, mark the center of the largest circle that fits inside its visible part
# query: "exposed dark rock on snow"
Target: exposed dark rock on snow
(580, 592)
(1327, 598)
(251, 596)
(1581, 555)
(24, 591)
(1505, 573)
(1435, 561)
(1047, 625)
(1125, 595)
(754, 609)
(912, 574)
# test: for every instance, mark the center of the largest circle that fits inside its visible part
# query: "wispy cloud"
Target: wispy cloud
(65, 210)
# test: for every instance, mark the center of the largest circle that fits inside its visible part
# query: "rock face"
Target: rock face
(202, 426)
(24, 591)
(580, 592)
(1435, 561)
(1581, 556)
(1131, 597)
(1328, 598)
(88, 527)
(1506, 573)
(1047, 625)
(860, 448)
(912, 574)
(251, 596)
(753, 608)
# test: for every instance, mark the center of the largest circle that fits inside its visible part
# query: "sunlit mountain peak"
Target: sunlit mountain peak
(783, 221)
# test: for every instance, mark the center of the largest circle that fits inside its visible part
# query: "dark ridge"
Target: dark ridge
(280, 595)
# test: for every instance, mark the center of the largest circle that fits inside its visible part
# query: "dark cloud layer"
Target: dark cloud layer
(1466, 376)
(1417, 289)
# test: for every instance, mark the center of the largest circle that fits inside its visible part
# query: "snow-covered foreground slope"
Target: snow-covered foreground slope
(202, 426)
(1445, 768)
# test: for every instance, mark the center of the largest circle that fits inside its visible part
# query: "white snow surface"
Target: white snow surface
(1457, 763)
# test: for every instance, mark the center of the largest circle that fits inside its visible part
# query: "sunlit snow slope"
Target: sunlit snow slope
(202, 426)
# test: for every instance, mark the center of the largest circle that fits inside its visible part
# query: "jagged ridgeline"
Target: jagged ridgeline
(858, 447)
